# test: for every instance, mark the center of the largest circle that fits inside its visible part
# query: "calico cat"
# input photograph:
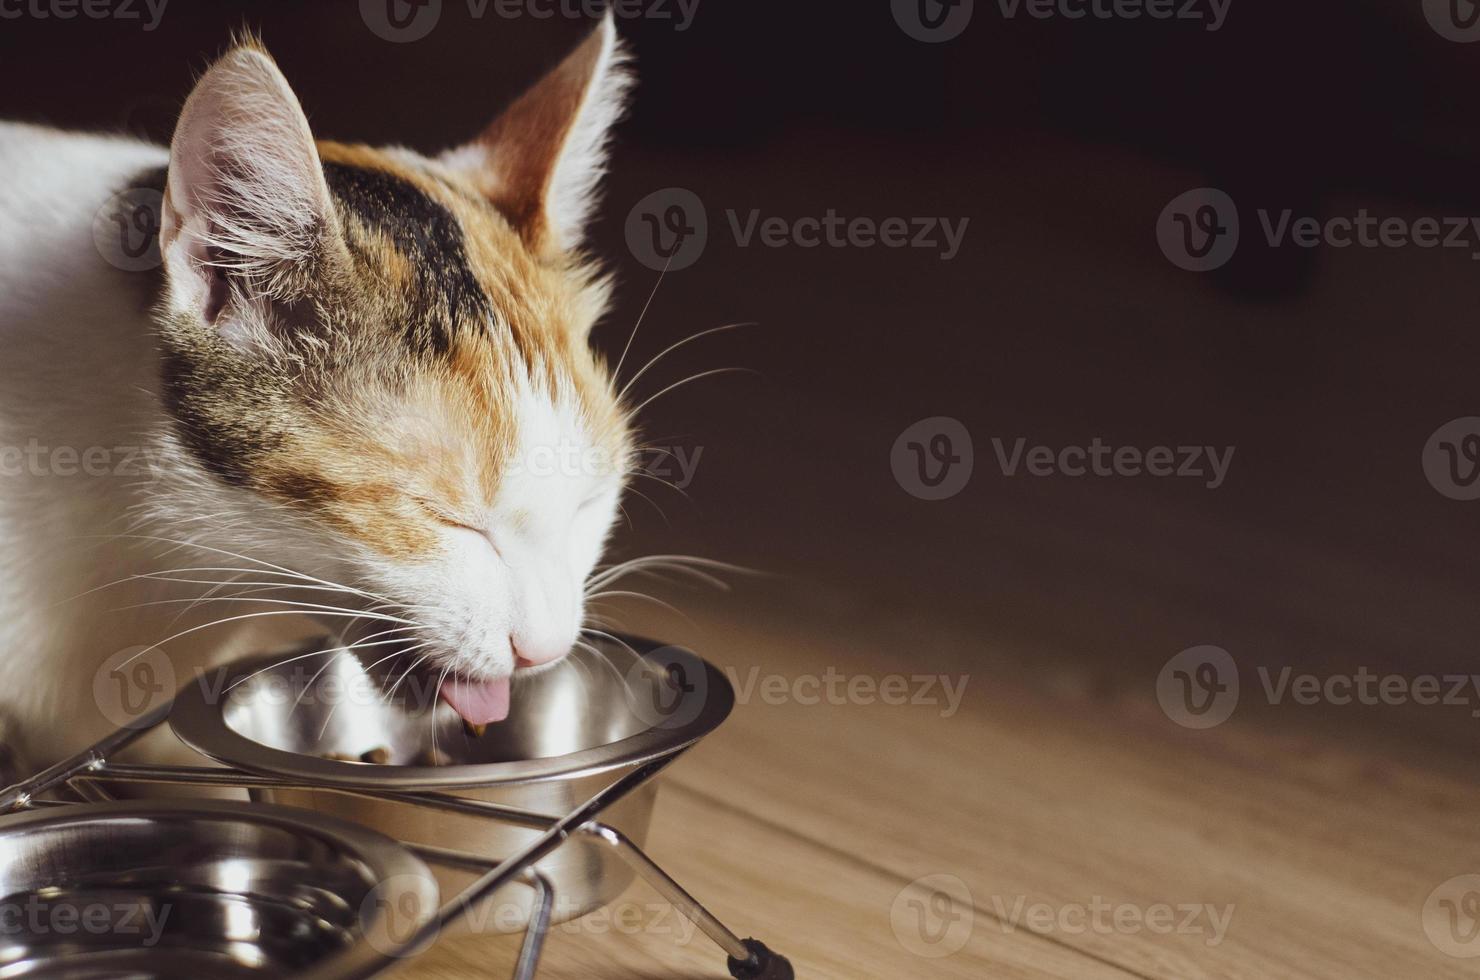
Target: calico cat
(359, 379)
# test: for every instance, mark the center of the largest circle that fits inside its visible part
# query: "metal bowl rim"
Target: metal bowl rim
(201, 725)
(391, 865)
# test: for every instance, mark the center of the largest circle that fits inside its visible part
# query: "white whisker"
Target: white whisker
(673, 347)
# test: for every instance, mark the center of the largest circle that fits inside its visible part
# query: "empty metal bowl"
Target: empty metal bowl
(573, 728)
(186, 890)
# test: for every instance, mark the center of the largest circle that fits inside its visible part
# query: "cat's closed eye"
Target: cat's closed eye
(444, 516)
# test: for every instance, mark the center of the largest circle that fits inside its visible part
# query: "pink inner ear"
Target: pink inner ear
(245, 181)
(525, 143)
(217, 289)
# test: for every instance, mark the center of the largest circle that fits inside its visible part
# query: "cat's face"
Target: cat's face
(377, 363)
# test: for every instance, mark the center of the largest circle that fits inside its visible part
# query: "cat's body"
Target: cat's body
(79, 363)
(344, 367)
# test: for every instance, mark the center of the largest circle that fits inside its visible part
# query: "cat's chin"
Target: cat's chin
(477, 702)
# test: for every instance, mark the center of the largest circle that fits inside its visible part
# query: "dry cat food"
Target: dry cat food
(381, 756)
(378, 756)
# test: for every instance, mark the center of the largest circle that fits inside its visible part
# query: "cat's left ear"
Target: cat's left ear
(247, 217)
(541, 161)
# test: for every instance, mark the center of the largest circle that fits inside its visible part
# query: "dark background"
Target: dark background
(1060, 321)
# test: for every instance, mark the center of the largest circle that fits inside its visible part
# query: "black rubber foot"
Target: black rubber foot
(762, 965)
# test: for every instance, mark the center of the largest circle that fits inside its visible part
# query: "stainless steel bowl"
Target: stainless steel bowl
(573, 729)
(202, 889)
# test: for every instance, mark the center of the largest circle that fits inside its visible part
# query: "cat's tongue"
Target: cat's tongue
(479, 702)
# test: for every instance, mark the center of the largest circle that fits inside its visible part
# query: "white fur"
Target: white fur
(583, 158)
(79, 371)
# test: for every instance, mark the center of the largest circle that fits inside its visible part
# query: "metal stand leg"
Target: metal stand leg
(538, 928)
(749, 959)
(542, 910)
(22, 793)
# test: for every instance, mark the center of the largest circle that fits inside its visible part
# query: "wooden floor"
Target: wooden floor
(1046, 829)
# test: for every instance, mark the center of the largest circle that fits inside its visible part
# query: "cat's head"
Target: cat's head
(377, 364)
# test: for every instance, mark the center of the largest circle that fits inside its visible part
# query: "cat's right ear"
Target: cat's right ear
(247, 215)
(542, 160)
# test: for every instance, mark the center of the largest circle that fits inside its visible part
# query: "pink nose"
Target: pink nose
(534, 653)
